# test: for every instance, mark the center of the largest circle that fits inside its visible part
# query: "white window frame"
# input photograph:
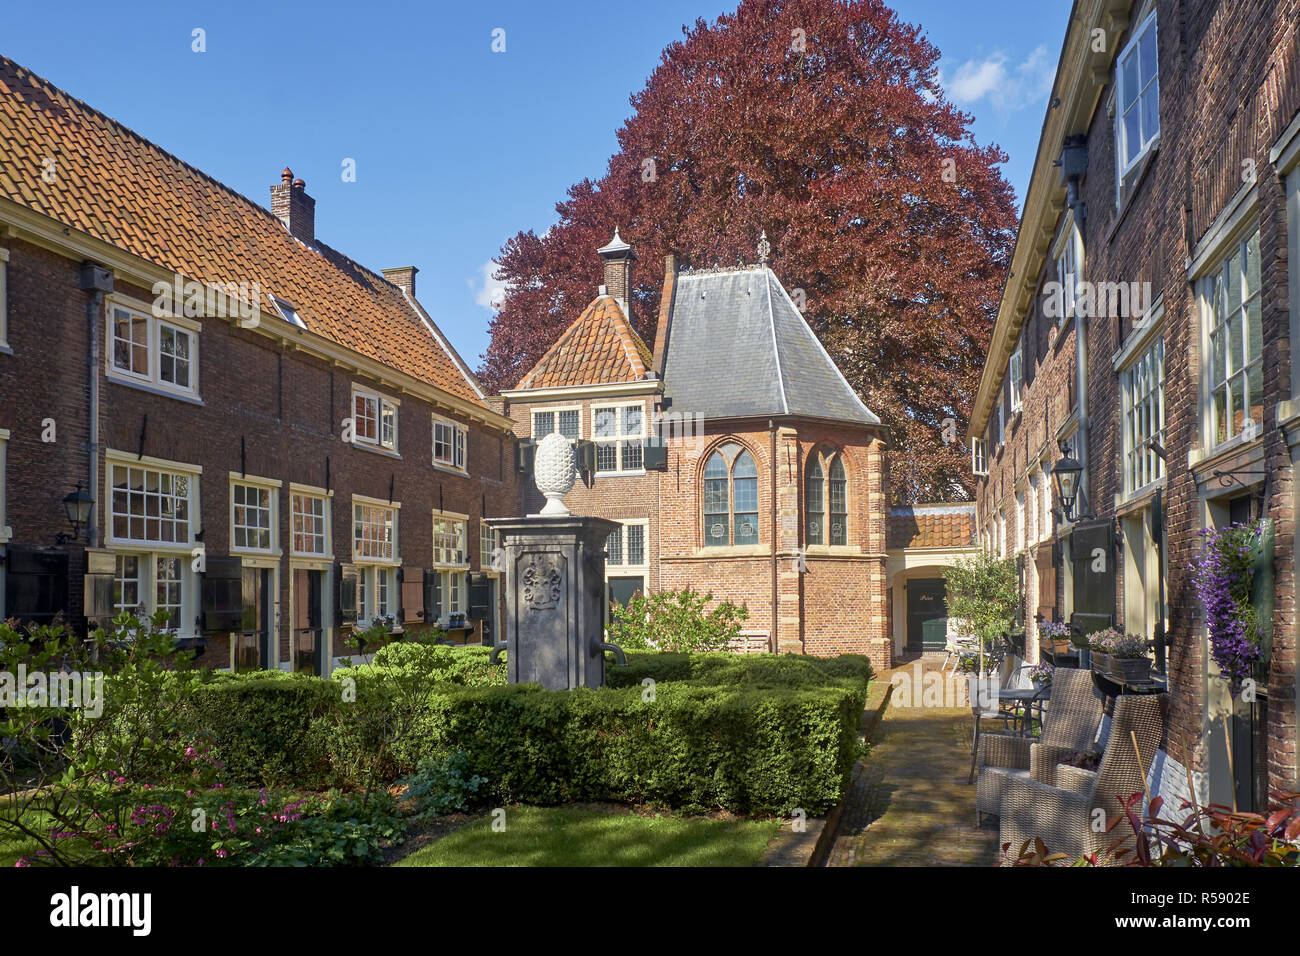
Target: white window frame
(4, 300)
(1143, 415)
(369, 579)
(489, 540)
(272, 488)
(625, 569)
(1045, 504)
(1021, 538)
(361, 501)
(620, 439)
(457, 443)
(1237, 243)
(1068, 259)
(1133, 48)
(151, 378)
(1015, 377)
(443, 557)
(979, 457)
(326, 498)
(553, 411)
(150, 550)
(384, 405)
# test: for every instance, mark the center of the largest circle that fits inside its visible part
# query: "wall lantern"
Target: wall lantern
(1066, 474)
(77, 506)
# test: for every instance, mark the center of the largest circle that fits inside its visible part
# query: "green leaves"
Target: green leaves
(675, 621)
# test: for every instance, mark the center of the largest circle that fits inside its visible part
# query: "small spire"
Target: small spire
(616, 245)
(764, 248)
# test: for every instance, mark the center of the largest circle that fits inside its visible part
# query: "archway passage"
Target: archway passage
(926, 601)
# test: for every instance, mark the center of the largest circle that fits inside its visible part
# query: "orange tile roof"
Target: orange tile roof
(934, 527)
(601, 347)
(116, 186)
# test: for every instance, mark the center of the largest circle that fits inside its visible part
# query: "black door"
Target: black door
(925, 602)
(253, 650)
(309, 621)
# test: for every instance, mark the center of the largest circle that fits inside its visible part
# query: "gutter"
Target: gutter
(776, 592)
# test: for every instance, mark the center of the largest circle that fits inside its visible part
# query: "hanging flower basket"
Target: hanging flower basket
(1238, 615)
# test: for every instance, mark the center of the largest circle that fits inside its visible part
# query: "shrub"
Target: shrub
(748, 749)
(675, 621)
(266, 728)
(720, 668)
(442, 785)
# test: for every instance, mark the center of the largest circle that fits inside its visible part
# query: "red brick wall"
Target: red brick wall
(285, 404)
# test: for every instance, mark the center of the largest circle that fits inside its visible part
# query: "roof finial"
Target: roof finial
(764, 248)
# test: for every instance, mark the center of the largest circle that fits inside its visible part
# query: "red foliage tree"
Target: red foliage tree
(821, 122)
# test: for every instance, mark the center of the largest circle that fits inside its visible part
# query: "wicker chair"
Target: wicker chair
(1063, 815)
(1073, 713)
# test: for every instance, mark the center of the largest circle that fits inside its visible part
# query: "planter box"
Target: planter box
(1131, 670)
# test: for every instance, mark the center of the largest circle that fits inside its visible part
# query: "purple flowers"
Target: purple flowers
(1222, 576)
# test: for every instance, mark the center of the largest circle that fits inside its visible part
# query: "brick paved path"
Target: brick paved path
(909, 803)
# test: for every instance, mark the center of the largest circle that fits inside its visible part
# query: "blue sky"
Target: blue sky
(455, 147)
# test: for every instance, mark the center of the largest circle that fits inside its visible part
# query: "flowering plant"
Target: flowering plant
(1042, 673)
(1222, 576)
(1131, 646)
(1053, 630)
(1105, 641)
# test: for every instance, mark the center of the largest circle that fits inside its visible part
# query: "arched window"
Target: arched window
(826, 511)
(730, 502)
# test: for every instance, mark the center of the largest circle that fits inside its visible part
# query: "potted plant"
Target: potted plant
(1041, 675)
(1101, 645)
(1130, 663)
(1054, 636)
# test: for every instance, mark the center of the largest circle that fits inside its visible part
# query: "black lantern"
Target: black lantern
(1066, 473)
(77, 505)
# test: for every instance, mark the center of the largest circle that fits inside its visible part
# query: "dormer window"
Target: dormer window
(289, 312)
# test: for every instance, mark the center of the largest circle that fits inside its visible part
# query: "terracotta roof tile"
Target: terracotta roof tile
(944, 527)
(599, 348)
(118, 187)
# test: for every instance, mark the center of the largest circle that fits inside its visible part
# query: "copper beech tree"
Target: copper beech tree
(821, 122)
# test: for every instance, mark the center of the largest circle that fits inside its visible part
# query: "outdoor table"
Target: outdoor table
(1028, 696)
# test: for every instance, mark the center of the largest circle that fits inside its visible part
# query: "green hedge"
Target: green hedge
(747, 733)
(745, 749)
(722, 668)
(267, 728)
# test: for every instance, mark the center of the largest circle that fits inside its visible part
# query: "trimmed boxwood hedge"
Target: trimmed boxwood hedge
(746, 733)
(267, 728)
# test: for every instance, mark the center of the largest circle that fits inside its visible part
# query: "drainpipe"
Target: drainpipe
(96, 280)
(1073, 163)
(776, 593)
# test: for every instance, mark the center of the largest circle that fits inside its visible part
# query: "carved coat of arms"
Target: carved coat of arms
(543, 579)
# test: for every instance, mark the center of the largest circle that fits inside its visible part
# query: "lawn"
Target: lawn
(535, 836)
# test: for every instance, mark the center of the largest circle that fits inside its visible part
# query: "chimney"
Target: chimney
(294, 208)
(665, 313)
(618, 256)
(403, 277)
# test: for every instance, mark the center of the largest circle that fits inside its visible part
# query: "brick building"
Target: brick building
(277, 440)
(1144, 330)
(737, 457)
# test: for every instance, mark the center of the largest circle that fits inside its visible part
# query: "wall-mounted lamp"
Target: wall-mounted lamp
(77, 506)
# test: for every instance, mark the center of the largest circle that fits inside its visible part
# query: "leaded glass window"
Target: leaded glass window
(730, 503)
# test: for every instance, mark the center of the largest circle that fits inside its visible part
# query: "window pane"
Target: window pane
(1132, 135)
(632, 420)
(716, 529)
(635, 544)
(746, 528)
(570, 426)
(1130, 85)
(1151, 112)
(604, 419)
(631, 455)
(716, 467)
(1147, 53)
(614, 547)
(167, 586)
(745, 466)
(607, 456)
(126, 583)
(543, 423)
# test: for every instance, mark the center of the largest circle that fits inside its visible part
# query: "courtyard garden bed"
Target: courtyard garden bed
(292, 769)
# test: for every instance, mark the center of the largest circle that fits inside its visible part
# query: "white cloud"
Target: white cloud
(489, 292)
(1005, 88)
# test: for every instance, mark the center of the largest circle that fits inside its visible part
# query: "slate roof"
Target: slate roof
(599, 348)
(931, 526)
(737, 347)
(116, 186)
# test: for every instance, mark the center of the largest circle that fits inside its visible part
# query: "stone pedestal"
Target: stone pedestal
(555, 599)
